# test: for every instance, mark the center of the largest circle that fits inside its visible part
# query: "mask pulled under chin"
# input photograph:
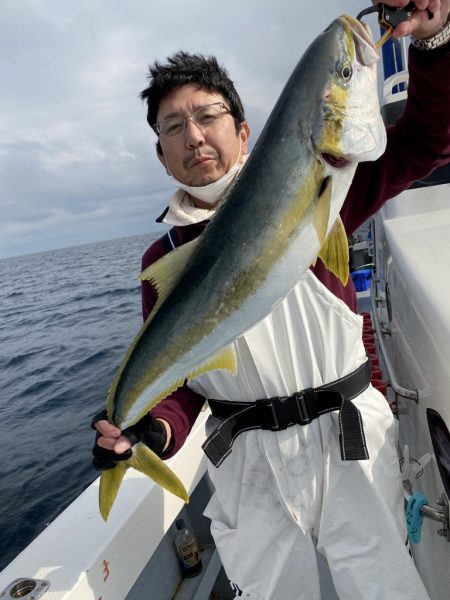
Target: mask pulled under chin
(213, 192)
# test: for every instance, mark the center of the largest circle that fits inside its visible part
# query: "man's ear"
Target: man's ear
(244, 134)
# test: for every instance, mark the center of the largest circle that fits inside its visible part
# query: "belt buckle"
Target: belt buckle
(293, 410)
(271, 416)
(303, 408)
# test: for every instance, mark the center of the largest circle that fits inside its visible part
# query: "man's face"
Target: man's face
(200, 156)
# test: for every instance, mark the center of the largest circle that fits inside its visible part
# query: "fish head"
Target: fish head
(349, 127)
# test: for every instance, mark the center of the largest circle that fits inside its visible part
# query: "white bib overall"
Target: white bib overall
(278, 494)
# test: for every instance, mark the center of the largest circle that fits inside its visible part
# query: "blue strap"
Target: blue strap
(414, 518)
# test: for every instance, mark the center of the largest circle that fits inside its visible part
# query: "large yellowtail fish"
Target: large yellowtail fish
(281, 214)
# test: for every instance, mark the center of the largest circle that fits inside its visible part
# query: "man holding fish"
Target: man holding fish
(301, 447)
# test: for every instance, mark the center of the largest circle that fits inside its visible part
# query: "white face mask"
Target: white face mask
(213, 192)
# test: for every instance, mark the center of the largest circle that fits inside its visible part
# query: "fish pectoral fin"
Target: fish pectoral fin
(148, 463)
(224, 359)
(110, 481)
(334, 252)
(166, 271)
(322, 209)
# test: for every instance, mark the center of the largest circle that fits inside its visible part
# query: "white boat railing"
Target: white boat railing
(390, 83)
(380, 332)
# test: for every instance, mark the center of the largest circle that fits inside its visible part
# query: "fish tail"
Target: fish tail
(110, 481)
(148, 463)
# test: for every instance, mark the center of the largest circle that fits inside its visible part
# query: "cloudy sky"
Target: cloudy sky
(77, 160)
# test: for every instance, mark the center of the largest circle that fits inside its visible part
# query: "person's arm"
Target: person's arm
(419, 142)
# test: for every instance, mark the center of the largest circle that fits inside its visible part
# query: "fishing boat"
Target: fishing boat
(132, 556)
(412, 325)
(408, 244)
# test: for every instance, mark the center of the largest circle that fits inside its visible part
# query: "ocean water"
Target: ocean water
(66, 319)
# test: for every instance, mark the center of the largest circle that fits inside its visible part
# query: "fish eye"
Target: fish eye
(345, 72)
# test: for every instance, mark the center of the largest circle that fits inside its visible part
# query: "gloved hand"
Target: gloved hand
(148, 430)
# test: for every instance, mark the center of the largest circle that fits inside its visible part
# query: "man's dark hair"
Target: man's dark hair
(183, 68)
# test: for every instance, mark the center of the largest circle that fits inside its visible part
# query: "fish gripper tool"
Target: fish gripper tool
(388, 17)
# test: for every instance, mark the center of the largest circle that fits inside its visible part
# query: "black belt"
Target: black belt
(301, 408)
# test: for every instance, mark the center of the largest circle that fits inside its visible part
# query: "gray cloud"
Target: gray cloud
(77, 160)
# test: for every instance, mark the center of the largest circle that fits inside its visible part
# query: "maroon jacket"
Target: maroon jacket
(417, 144)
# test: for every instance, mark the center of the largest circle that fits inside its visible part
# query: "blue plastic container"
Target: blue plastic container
(362, 279)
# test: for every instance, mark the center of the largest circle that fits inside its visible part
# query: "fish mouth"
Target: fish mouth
(335, 161)
(359, 29)
(365, 46)
(338, 162)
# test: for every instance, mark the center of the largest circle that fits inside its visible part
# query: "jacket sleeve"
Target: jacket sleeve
(181, 408)
(418, 143)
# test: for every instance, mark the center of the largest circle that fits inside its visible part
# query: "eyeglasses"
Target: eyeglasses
(203, 117)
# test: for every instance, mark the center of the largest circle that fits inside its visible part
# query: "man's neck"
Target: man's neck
(202, 204)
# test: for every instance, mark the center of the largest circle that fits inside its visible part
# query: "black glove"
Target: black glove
(148, 430)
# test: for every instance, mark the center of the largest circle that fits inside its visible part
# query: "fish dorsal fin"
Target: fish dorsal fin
(166, 271)
(334, 252)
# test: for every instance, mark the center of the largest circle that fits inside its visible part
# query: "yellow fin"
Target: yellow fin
(322, 210)
(148, 463)
(166, 271)
(110, 481)
(334, 252)
(224, 359)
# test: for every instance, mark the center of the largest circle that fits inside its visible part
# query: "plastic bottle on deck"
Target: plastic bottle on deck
(187, 548)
